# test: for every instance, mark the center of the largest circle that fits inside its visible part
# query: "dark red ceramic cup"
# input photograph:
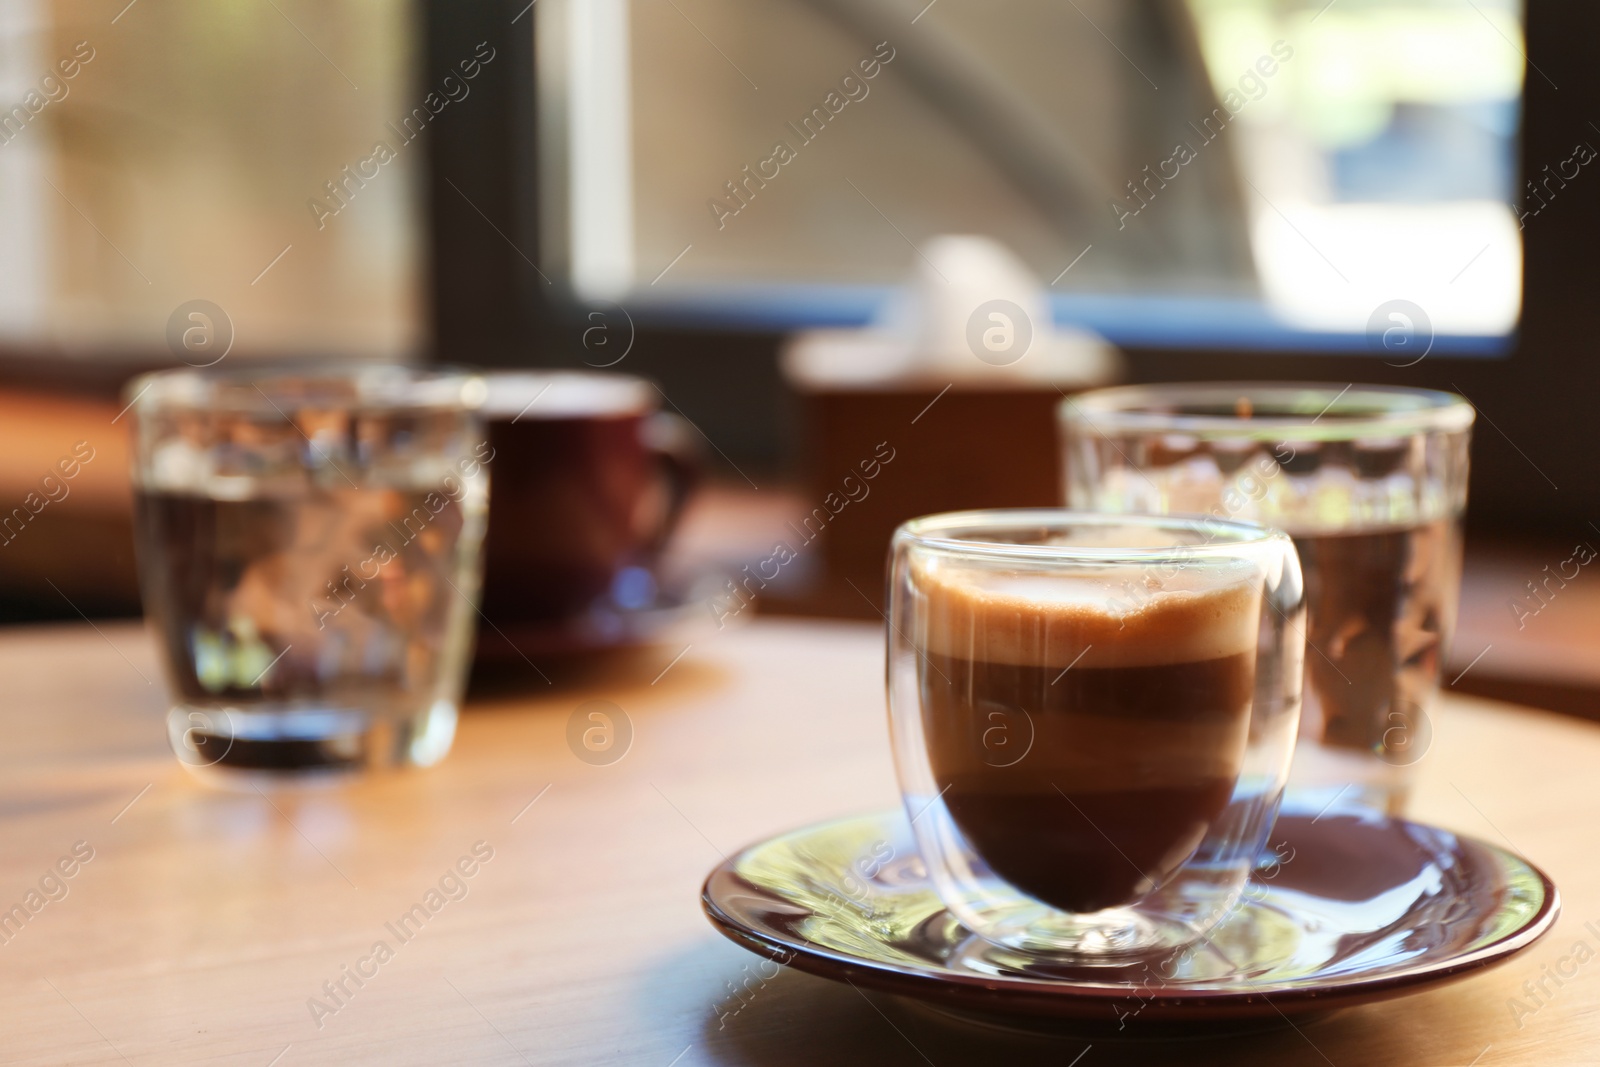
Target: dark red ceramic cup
(586, 482)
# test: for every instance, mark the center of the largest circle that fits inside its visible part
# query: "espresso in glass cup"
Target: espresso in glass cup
(1092, 719)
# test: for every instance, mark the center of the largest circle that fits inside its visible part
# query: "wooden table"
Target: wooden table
(206, 921)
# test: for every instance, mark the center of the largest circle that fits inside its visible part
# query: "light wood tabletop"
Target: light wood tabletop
(176, 924)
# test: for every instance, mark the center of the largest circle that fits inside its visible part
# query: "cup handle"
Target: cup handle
(674, 443)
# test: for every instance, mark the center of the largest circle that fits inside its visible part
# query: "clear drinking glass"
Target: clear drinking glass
(1092, 719)
(1371, 483)
(308, 549)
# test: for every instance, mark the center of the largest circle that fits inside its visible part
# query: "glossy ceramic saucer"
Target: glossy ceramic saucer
(674, 612)
(1345, 911)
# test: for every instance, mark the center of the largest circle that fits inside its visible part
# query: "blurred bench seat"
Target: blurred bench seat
(66, 542)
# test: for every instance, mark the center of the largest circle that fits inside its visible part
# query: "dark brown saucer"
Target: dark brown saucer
(678, 611)
(1346, 910)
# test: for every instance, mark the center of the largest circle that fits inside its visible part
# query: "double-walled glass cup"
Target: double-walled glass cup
(308, 549)
(1371, 482)
(1092, 719)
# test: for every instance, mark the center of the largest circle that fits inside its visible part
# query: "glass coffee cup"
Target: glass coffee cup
(1092, 719)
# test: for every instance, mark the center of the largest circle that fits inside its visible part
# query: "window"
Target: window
(172, 151)
(1247, 171)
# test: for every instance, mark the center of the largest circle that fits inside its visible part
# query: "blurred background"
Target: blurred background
(745, 202)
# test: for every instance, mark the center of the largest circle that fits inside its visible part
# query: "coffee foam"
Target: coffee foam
(1044, 620)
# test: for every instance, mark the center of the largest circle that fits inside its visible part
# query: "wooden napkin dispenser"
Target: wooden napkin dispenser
(875, 453)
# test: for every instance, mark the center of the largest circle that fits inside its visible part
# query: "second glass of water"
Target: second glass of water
(1371, 483)
(308, 548)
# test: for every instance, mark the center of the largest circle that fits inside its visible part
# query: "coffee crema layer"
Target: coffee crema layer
(1040, 620)
(1083, 751)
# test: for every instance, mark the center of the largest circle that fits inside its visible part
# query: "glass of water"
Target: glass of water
(1370, 482)
(308, 552)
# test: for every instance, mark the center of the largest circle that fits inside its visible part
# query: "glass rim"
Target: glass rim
(563, 392)
(282, 388)
(1278, 411)
(941, 532)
